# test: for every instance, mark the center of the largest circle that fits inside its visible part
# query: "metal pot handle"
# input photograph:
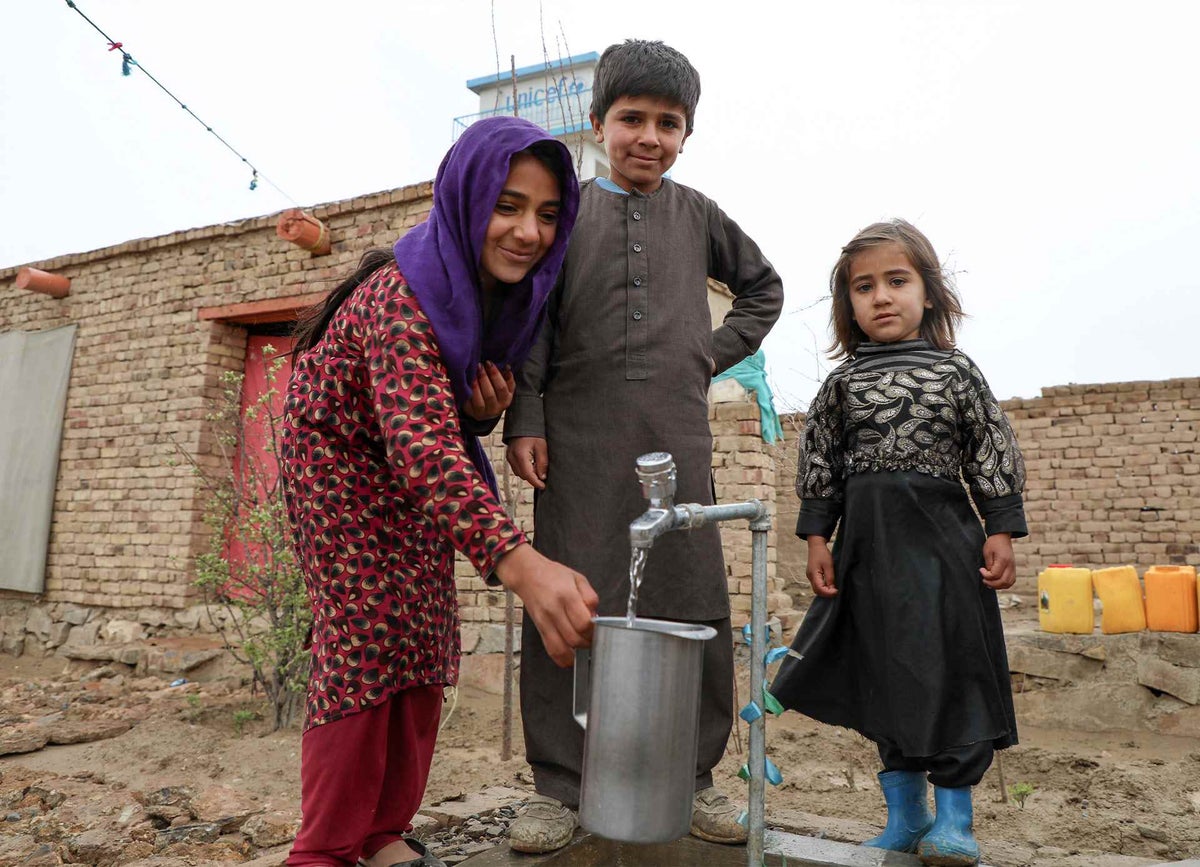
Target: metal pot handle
(583, 685)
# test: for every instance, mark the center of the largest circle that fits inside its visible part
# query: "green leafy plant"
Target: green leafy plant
(195, 707)
(253, 589)
(241, 717)
(1019, 792)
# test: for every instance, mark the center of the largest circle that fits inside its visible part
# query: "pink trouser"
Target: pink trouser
(362, 778)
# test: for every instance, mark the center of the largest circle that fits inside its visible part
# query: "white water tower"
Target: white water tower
(556, 95)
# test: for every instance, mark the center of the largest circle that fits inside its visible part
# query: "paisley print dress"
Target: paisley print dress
(910, 652)
(380, 494)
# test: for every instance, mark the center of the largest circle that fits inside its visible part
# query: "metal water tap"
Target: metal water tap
(656, 472)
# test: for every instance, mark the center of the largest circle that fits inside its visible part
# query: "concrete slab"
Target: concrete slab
(782, 850)
(455, 811)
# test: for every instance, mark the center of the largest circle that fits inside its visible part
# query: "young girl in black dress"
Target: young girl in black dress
(903, 642)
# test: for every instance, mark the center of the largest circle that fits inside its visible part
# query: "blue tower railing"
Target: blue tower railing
(560, 116)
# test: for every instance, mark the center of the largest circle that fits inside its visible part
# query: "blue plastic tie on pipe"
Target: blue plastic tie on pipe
(774, 777)
(742, 819)
(775, 654)
(751, 712)
(747, 635)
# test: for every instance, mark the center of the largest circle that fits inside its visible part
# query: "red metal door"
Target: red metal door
(255, 465)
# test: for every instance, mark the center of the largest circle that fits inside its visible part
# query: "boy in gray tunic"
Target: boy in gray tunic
(622, 368)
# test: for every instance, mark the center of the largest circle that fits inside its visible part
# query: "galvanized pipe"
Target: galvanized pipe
(692, 515)
(758, 651)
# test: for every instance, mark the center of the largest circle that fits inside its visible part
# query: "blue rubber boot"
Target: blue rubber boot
(951, 841)
(908, 819)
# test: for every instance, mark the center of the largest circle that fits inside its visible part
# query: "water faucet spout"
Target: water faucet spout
(650, 525)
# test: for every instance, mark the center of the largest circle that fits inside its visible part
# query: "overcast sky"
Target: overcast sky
(1050, 150)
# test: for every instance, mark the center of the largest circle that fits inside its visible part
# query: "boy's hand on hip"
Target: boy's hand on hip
(999, 569)
(491, 392)
(529, 458)
(560, 600)
(820, 567)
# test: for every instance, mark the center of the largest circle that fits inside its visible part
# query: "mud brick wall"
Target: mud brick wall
(126, 521)
(1113, 479)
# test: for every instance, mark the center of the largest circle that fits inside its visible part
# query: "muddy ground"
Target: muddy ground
(194, 776)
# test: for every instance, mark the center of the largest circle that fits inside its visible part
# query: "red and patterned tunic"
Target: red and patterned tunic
(380, 493)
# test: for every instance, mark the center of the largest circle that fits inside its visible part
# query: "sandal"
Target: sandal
(426, 859)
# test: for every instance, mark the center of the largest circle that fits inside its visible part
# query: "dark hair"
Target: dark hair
(940, 321)
(550, 155)
(638, 67)
(312, 323)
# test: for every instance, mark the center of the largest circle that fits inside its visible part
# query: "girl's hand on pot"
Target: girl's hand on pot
(491, 392)
(999, 568)
(560, 600)
(820, 567)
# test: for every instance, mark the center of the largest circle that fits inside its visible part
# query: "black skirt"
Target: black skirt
(910, 652)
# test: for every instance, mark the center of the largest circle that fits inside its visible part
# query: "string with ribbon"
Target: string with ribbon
(127, 65)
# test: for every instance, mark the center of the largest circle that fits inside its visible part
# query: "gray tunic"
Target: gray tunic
(623, 367)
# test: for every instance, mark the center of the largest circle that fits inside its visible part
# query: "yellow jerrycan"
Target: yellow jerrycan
(1121, 594)
(1065, 600)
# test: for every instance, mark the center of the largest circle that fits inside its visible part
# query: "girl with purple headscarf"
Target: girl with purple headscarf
(395, 376)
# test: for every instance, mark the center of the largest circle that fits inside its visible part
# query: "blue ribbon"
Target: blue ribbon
(751, 712)
(743, 818)
(774, 777)
(775, 654)
(748, 634)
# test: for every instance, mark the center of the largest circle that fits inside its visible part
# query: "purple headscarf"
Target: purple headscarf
(440, 258)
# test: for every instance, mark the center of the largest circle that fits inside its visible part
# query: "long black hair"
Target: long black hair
(313, 322)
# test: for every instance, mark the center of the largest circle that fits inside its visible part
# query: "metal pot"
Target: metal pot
(637, 695)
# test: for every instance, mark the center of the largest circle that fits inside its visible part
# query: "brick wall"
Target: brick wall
(127, 512)
(1112, 468)
(126, 522)
(1113, 479)
(1113, 475)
